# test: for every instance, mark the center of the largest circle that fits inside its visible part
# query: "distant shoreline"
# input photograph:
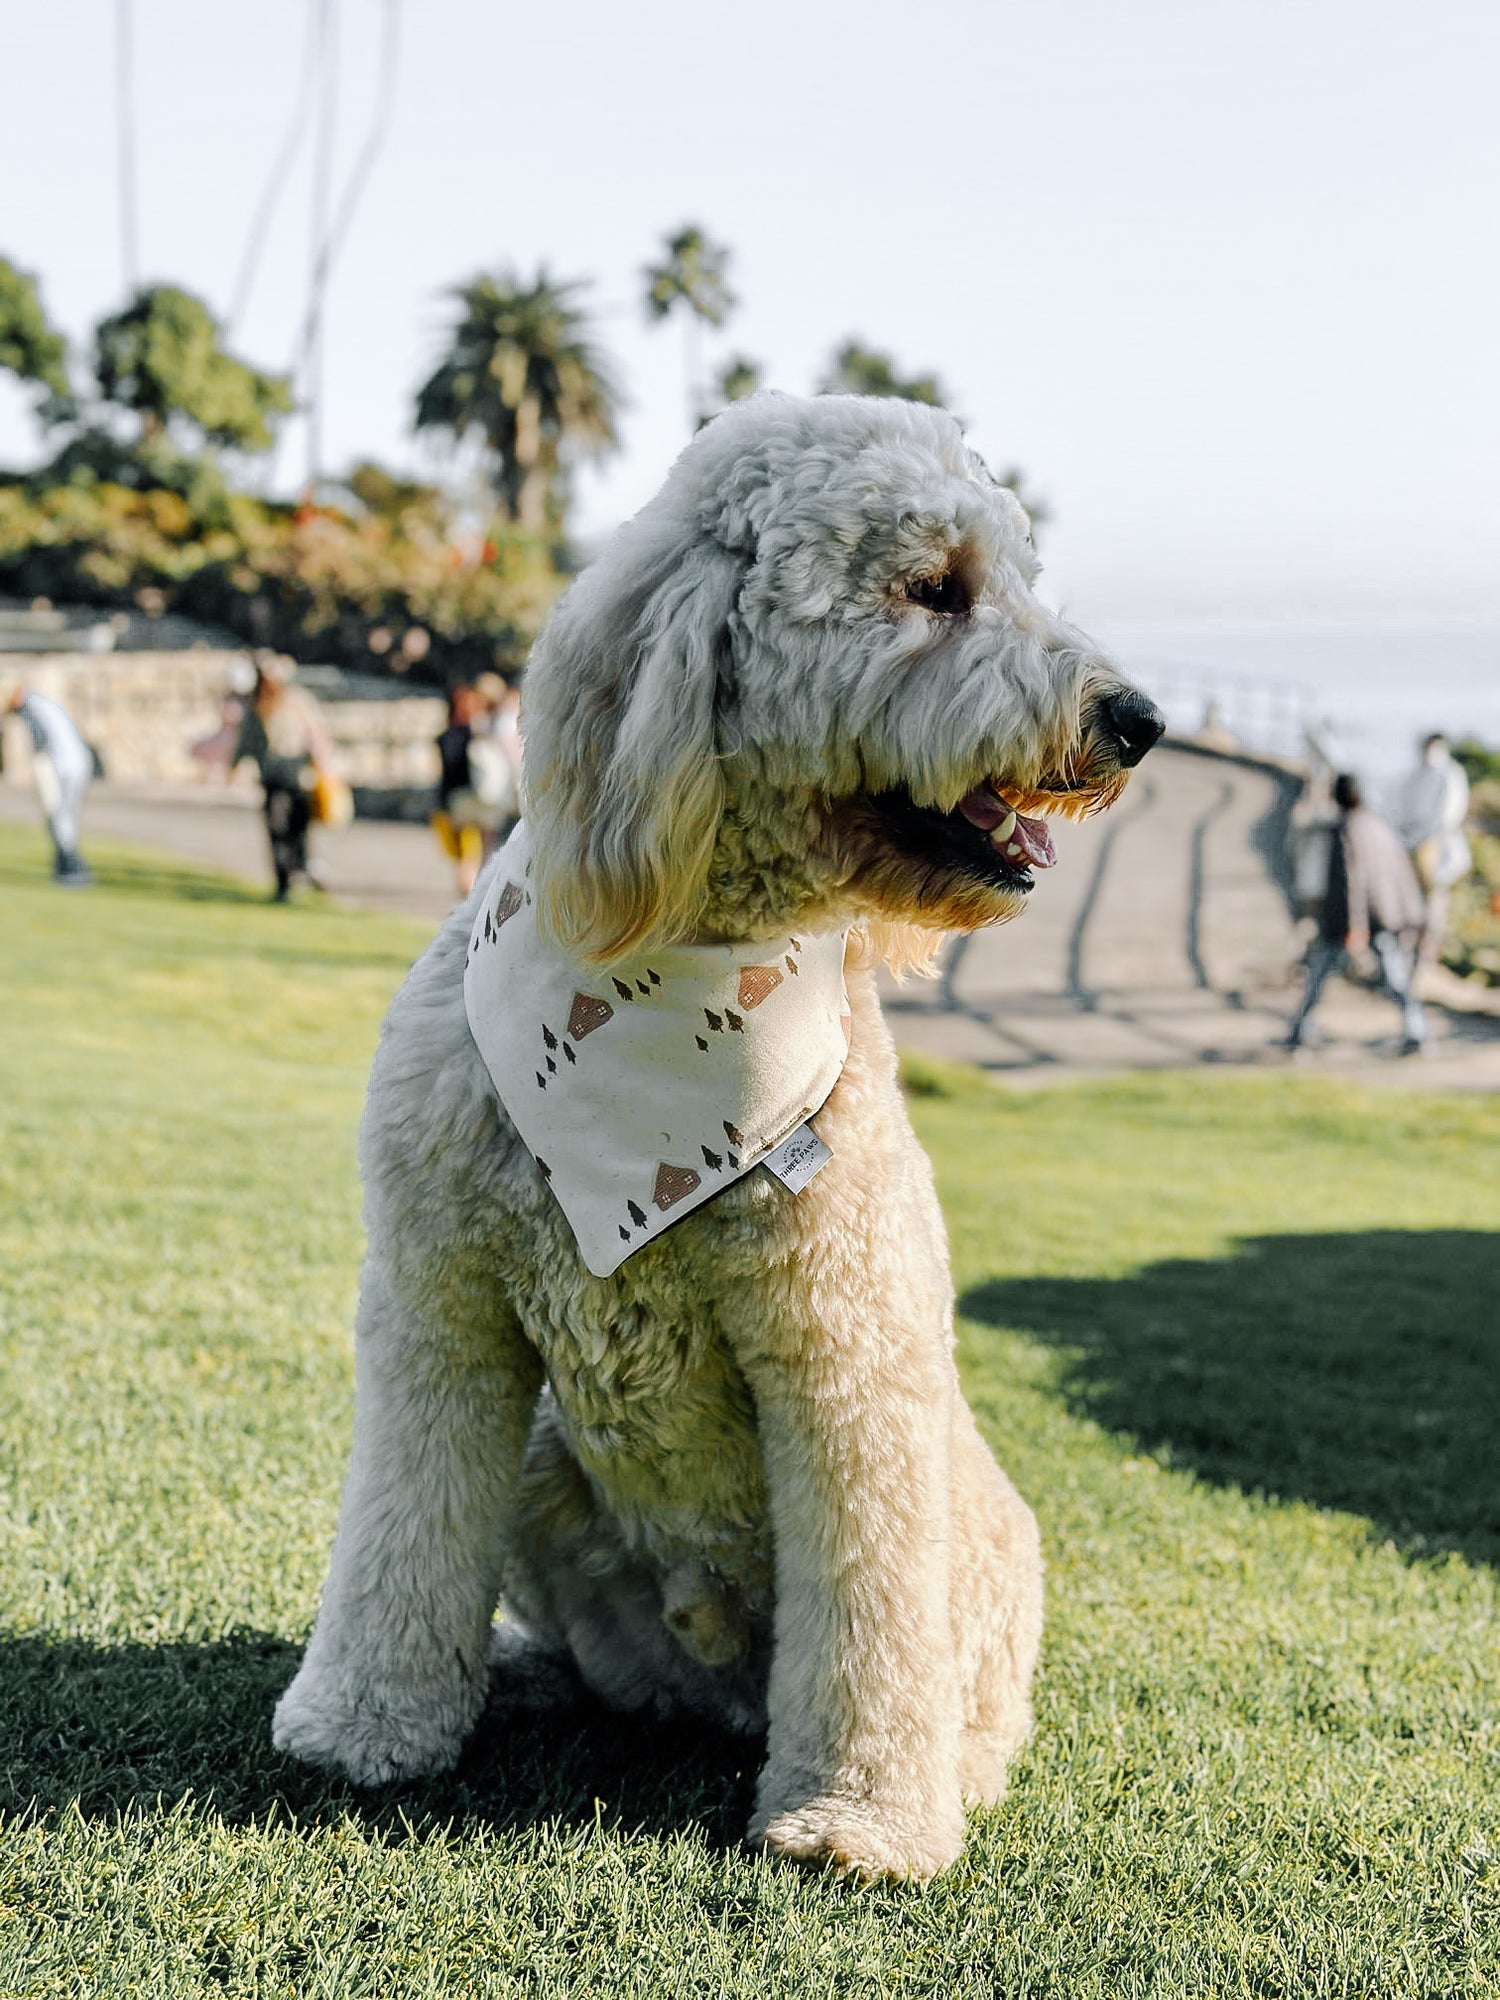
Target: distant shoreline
(1381, 689)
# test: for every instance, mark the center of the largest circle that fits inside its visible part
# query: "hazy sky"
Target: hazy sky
(1222, 277)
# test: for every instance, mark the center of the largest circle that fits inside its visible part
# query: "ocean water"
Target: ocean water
(1369, 695)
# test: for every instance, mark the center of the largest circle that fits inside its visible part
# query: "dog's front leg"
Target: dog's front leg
(394, 1677)
(864, 1706)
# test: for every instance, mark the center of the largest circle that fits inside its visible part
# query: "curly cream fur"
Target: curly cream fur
(737, 1478)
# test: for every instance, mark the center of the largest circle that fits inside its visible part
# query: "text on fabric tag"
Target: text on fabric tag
(798, 1158)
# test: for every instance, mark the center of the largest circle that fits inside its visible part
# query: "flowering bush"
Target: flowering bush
(387, 587)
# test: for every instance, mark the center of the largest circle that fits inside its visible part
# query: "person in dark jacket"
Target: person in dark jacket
(457, 821)
(1373, 899)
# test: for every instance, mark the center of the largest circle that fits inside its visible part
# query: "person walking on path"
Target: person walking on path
(282, 733)
(459, 819)
(62, 768)
(1434, 806)
(479, 781)
(1373, 899)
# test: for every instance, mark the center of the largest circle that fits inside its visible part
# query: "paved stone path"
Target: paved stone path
(1161, 939)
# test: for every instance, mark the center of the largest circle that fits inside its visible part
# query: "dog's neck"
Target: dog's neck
(768, 873)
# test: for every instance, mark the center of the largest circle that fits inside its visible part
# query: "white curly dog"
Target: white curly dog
(807, 690)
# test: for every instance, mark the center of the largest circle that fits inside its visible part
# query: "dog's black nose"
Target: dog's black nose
(1133, 721)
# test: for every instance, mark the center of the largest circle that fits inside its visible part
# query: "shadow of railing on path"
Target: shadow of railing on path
(1141, 802)
(1197, 842)
(1268, 840)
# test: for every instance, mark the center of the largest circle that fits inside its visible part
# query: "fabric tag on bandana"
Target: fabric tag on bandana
(799, 1156)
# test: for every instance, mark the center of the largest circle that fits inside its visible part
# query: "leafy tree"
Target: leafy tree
(162, 358)
(30, 346)
(857, 370)
(692, 277)
(523, 373)
(1481, 764)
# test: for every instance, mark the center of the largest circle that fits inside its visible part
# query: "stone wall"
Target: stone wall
(144, 711)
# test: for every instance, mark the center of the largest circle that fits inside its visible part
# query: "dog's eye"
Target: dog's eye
(948, 593)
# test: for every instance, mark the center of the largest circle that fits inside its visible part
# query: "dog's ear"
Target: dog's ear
(623, 787)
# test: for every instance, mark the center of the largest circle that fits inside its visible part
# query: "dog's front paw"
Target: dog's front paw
(372, 1740)
(867, 1837)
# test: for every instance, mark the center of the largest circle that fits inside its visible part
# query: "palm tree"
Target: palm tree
(522, 371)
(692, 275)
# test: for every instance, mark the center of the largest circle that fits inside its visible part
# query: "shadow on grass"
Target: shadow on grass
(1359, 1371)
(159, 880)
(135, 1728)
(139, 884)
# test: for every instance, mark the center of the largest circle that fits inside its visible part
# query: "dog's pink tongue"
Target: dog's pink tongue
(1034, 838)
(983, 808)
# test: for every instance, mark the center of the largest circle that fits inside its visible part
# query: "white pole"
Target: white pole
(125, 143)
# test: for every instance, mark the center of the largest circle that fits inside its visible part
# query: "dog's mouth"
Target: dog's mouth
(1017, 842)
(988, 835)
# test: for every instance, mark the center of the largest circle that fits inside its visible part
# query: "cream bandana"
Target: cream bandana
(643, 1087)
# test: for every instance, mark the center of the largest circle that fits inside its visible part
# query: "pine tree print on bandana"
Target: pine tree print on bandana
(701, 1044)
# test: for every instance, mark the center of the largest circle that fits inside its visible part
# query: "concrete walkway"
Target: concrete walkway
(1161, 939)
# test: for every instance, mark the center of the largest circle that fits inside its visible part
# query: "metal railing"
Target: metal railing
(1269, 718)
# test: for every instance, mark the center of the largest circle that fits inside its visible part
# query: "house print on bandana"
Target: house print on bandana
(648, 1085)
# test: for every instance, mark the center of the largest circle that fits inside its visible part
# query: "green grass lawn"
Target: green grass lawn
(1236, 1339)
